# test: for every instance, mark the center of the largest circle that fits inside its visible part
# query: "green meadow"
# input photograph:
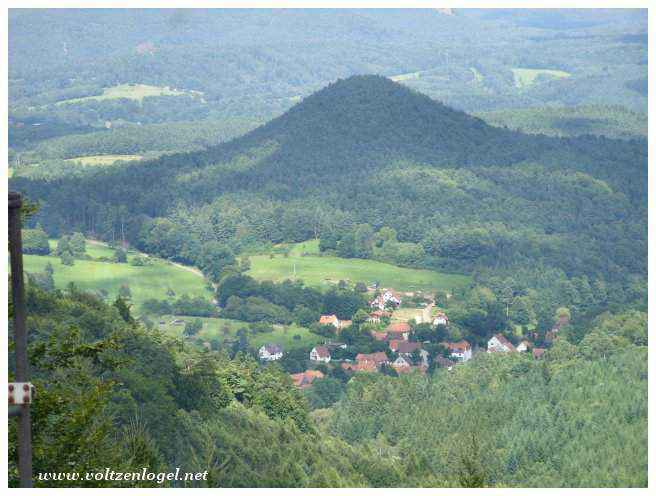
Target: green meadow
(526, 77)
(304, 262)
(151, 281)
(130, 91)
(103, 159)
(226, 330)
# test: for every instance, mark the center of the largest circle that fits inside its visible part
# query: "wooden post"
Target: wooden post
(20, 336)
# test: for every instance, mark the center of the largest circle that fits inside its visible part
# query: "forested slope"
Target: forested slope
(366, 150)
(114, 394)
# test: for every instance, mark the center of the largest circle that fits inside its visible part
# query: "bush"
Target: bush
(120, 256)
(35, 242)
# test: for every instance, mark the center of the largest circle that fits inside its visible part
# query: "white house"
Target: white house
(441, 319)
(523, 346)
(461, 351)
(402, 362)
(499, 344)
(320, 354)
(270, 352)
(329, 320)
(387, 295)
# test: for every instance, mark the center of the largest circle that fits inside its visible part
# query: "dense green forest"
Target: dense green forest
(378, 171)
(598, 120)
(463, 56)
(112, 393)
(234, 69)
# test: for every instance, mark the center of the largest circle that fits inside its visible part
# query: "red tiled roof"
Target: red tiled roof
(379, 336)
(304, 379)
(538, 352)
(459, 347)
(327, 319)
(404, 346)
(366, 366)
(377, 358)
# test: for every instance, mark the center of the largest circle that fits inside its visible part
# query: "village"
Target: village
(400, 348)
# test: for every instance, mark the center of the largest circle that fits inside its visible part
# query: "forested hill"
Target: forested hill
(359, 126)
(368, 150)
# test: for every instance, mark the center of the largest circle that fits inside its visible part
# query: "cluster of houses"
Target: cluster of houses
(500, 344)
(408, 355)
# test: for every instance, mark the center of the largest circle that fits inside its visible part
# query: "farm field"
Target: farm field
(152, 281)
(324, 272)
(103, 159)
(226, 329)
(130, 91)
(526, 77)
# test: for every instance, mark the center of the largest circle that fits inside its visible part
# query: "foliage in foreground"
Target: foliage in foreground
(113, 394)
(577, 418)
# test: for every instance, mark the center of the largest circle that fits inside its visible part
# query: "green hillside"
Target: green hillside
(152, 281)
(327, 271)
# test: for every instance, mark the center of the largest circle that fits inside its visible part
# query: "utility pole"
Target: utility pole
(20, 392)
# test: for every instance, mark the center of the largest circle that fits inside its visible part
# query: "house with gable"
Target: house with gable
(500, 344)
(441, 319)
(329, 320)
(407, 363)
(460, 351)
(270, 352)
(320, 354)
(377, 359)
(386, 296)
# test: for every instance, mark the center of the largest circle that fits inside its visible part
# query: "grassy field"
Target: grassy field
(526, 77)
(324, 272)
(131, 91)
(103, 159)
(406, 77)
(151, 281)
(226, 329)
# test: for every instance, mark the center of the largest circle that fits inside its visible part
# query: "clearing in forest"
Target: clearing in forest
(305, 263)
(130, 91)
(526, 77)
(103, 159)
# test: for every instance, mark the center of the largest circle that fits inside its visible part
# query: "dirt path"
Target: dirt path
(193, 270)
